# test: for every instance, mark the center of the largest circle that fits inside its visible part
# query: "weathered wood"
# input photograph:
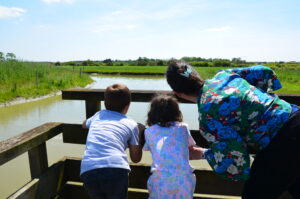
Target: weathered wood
(47, 186)
(73, 190)
(207, 181)
(38, 160)
(293, 98)
(20, 144)
(91, 107)
(72, 169)
(74, 133)
(29, 190)
(145, 95)
(98, 94)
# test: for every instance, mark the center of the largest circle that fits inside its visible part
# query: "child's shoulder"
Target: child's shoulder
(181, 124)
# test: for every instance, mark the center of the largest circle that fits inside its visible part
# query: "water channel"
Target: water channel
(19, 118)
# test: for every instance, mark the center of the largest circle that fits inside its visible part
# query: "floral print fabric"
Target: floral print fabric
(172, 176)
(175, 187)
(235, 111)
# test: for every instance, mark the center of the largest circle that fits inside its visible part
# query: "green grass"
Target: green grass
(25, 79)
(289, 75)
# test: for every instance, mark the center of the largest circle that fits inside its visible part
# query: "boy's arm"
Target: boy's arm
(141, 134)
(84, 125)
(135, 151)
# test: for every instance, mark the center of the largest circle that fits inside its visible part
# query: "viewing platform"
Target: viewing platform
(61, 180)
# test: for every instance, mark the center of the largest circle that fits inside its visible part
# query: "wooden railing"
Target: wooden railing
(62, 178)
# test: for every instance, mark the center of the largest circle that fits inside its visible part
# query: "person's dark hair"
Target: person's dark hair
(164, 109)
(117, 97)
(183, 78)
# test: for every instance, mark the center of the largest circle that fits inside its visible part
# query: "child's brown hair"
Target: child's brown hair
(164, 109)
(117, 97)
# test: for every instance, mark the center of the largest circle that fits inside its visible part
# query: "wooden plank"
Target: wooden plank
(98, 94)
(74, 133)
(72, 169)
(48, 185)
(293, 98)
(91, 107)
(19, 144)
(208, 184)
(73, 190)
(38, 160)
(145, 95)
(29, 190)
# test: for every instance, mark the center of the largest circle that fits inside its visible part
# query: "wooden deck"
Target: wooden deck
(61, 180)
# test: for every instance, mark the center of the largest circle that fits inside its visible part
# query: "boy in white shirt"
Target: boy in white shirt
(104, 167)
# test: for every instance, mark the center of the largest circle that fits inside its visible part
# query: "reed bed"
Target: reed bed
(26, 79)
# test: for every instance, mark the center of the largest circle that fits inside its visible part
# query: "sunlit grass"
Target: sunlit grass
(25, 79)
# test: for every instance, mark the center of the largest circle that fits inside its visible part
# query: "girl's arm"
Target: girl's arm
(196, 152)
(259, 76)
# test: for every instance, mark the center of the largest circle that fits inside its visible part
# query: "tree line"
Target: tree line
(7, 56)
(144, 61)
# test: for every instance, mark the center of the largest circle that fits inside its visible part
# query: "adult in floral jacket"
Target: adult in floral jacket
(236, 110)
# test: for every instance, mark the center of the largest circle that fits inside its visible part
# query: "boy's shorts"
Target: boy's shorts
(106, 183)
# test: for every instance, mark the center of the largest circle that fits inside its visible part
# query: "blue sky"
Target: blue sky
(63, 30)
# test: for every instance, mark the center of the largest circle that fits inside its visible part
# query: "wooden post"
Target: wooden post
(38, 160)
(91, 107)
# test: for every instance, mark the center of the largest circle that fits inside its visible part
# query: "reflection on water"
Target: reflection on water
(19, 118)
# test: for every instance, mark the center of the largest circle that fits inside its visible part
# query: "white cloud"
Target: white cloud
(6, 12)
(220, 29)
(58, 1)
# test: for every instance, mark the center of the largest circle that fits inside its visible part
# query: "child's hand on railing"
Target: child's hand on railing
(141, 134)
(196, 152)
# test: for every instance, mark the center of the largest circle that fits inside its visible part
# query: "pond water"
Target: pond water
(19, 118)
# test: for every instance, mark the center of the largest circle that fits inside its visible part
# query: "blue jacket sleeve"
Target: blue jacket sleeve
(259, 76)
(228, 157)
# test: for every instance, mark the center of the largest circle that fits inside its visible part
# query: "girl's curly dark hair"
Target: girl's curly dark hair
(164, 109)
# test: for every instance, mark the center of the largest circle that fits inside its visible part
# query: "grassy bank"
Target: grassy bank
(25, 79)
(289, 75)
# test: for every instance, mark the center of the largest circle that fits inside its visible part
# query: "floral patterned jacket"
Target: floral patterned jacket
(235, 111)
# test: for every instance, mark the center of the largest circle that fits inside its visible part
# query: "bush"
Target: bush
(199, 63)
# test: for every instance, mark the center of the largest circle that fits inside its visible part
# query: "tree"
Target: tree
(159, 62)
(108, 62)
(2, 58)
(10, 56)
(237, 60)
(142, 61)
(88, 63)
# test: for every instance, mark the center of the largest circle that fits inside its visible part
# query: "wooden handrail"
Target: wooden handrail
(24, 142)
(146, 95)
